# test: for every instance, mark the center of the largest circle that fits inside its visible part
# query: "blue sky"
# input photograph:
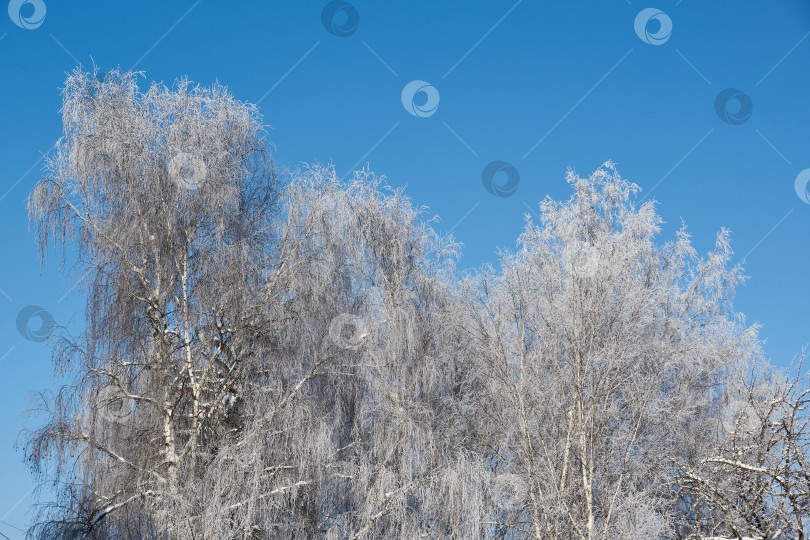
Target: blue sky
(541, 86)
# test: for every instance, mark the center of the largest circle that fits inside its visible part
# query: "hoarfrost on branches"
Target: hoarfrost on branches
(277, 354)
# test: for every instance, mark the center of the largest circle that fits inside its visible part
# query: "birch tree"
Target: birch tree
(169, 198)
(405, 476)
(292, 355)
(259, 358)
(600, 356)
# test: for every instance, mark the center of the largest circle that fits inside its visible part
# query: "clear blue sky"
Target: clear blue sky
(539, 85)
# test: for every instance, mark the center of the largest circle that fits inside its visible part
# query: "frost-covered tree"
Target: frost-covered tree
(399, 465)
(169, 199)
(600, 357)
(259, 356)
(272, 355)
(755, 481)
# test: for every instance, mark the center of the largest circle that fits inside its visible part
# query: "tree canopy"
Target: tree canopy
(274, 354)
